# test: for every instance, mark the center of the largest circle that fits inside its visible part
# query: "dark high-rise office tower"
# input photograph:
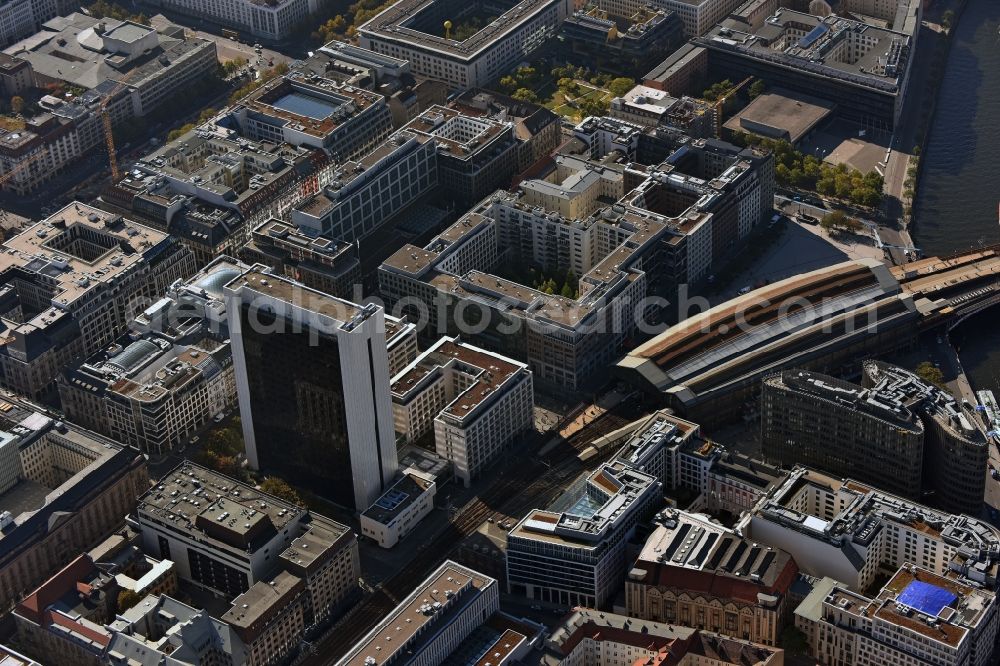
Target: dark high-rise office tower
(312, 375)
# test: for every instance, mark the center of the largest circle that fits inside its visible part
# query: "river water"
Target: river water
(959, 188)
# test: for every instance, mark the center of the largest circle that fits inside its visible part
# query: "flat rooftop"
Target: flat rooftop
(397, 498)
(434, 602)
(206, 505)
(781, 114)
(394, 24)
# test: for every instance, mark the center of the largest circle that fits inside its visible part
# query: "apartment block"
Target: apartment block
(397, 513)
(158, 384)
(71, 283)
(312, 375)
(414, 30)
(304, 109)
(269, 618)
(697, 573)
(588, 637)
(475, 402)
(73, 490)
(849, 531)
(272, 21)
(39, 151)
(917, 617)
(433, 620)
(225, 537)
(574, 552)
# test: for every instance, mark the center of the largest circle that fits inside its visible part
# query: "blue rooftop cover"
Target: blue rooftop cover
(813, 35)
(926, 598)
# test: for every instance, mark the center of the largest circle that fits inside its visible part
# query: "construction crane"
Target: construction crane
(109, 137)
(722, 98)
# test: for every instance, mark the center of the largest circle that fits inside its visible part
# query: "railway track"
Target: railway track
(526, 483)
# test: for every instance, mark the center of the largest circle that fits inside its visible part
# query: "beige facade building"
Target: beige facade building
(697, 573)
(476, 403)
(73, 491)
(918, 617)
(71, 283)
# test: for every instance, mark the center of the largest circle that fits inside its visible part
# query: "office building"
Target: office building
(698, 16)
(73, 491)
(41, 149)
(917, 617)
(574, 552)
(466, 156)
(588, 637)
(168, 376)
(324, 264)
(62, 621)
(226, 537)
(670, 225)
(19, 18)
(432, 621)
(312, 374)
(213, 166)
(271, 21)
(152, 66)
(71, 283)
(396, 513)
(9, 657)
(862, 68)
(850, 532)
(162, 630)
(16, 75)
(269, 618)
(315, 112)
(697, 573)
(896, 432)
(819, 421)
(475, 402)
(624, 44)
(956, 447)
(736, 482)
(414, 30)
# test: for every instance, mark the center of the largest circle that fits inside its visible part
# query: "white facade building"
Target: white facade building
(476, 401)
(849, 531)
(698, 16)
(312, 376)
(574, 553)
(404, 31)
(400, 509)
(431, 622)
(273, 20)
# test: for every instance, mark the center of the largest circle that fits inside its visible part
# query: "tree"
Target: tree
(947, 18)
(838, 220)
(127, 599)
(525, 95)
(618, 87)
(508, 83)
(757, 88)
(930, 373)
(593, 107)
(17, 104)
(567, 85)
(278, 487)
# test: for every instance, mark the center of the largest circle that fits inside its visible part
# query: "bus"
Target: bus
(231, 34)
